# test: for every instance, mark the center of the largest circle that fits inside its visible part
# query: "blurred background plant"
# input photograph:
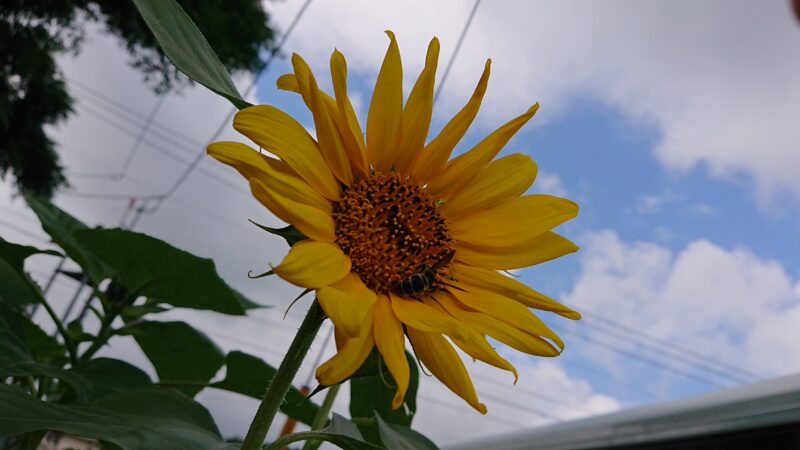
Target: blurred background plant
(33, 92)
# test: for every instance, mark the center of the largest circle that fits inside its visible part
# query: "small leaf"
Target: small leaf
(372, 392)
(290, 233)
(61, 226)
(131, 313)
(17, 361)
(187, 48)
(249, 375)
(179, 353)
(16, 287)
(398, 437)
(153, 268)
(136, 420)
(340, 432)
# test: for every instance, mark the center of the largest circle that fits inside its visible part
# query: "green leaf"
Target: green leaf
(249, 375)
(171, 404)
(16, 287)
(17, 361)
(61, 226)
(340, 432)
(372, 392)
(180, 354)
(187, 48)
(290, 233)
(110, 376)
(43, 347)
(130, 313)
(145, 420)
(398, 437)
(151, 267)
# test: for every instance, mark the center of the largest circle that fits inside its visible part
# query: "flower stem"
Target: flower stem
(280, 383)
(322, 415)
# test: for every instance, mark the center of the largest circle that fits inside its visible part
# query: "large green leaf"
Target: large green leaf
(181, 355)
(111, 376)
(249, 375)
(372, 392)
(398, 437)
(153, 268)
(340, 432)
(187, 48)
(146, 420)
(43, 347)
(16, 360)
(61, 226)
(16, 287)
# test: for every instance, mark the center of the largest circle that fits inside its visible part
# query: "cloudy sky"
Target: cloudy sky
(673, 124)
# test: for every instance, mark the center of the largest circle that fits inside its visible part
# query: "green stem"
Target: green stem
(321, 418)
(71, 348)
(282, 380)
(103, 335)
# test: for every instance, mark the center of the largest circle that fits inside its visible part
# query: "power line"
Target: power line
(456, 50)
(640, 358)
(25, 232)
(138, 142)
(722, 368)
(193, 165)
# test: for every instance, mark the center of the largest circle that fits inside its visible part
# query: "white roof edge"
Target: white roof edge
(765, 403)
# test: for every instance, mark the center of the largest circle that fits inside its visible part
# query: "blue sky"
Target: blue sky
(670, 124)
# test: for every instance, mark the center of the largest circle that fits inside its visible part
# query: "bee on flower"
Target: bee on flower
(403, 241)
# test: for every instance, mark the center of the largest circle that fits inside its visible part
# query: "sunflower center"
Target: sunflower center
(394, 234)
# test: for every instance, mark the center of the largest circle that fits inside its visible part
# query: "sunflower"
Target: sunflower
(403, 241)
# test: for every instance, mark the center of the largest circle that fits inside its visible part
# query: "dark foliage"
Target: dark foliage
(33, 93)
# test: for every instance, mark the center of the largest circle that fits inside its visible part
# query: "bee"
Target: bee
(423, 279)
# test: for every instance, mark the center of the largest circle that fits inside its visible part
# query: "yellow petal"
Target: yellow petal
(432, 160)
(506, 310)
(503, 179)
(347, 302)
(390, 340)
(422, 317)
(541, 248)
(284, 137)
(384, 120)
(464, 168)
(475, 345)
(351, 355)
(349, 127)
(314, 265)
(503, 332)
(442, 360)
(288, 82)
(417, 113)
(252, 164)
(504, 285)
(311, 221)
(513, 222)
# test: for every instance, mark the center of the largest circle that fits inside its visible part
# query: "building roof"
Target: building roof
(759, 405)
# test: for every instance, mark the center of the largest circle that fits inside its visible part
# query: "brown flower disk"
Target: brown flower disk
(389, 227)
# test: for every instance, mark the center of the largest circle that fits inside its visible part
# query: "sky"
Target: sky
(672, 124)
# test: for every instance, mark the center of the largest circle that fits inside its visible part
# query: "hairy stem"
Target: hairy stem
(282, 380)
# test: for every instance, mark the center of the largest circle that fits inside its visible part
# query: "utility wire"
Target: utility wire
(670, 345)
(643, 359)
(138, 142)
(193, 165)
(456, 50)
(24, 231)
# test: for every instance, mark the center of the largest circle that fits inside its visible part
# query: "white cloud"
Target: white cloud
(549, 183)
(544, 394)
(717, 79)
(729, 303)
